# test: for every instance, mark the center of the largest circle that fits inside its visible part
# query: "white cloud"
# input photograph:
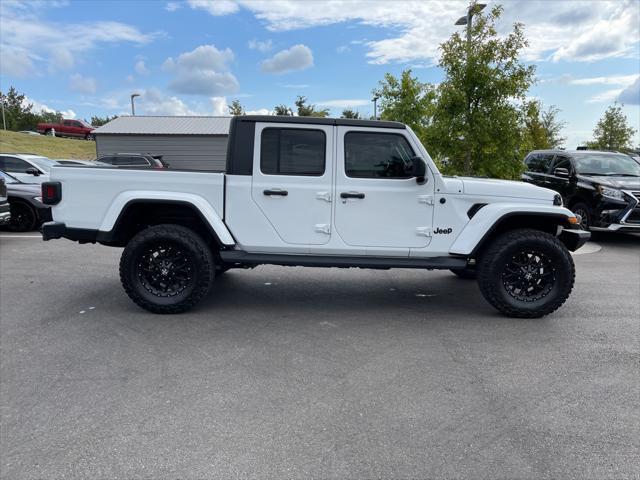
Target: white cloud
(295, 58)
(343, 49)
(81, 84)
(141, 68)
(631, 94)
(260, 111)
(155, 102)
(561, 30)
(172, 6)
(345, 103)
(260, 46)
(203, 71)
(294, 85)
(610, 80)
(219, 105)
(606, 96)
(28, 43)
(215, 7)
(41, 107)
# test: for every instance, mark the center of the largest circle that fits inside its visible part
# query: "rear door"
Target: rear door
(292, 180)
(377, 203)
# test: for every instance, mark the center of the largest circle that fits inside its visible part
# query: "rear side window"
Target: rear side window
(377, 155)
(539, 162)
(125, 161)
(292, 151)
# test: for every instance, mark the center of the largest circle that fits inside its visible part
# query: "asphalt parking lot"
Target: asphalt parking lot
(323, 373)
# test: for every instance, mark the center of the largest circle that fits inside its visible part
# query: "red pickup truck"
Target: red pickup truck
(67, 128)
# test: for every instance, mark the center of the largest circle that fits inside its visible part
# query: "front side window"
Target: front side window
(562, 162)
(377, 155)
(539, 162)
(292, 151)
(13, 165)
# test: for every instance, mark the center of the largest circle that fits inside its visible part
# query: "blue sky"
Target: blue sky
(193, 57)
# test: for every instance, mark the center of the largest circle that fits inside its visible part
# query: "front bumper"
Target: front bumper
(574, 239)
(5, 213)
(620, 217)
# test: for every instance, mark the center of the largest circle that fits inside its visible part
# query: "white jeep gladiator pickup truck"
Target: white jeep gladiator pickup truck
(319, 192)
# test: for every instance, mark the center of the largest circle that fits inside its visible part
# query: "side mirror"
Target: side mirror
(561, 172)
(32, 171)
(418, 169)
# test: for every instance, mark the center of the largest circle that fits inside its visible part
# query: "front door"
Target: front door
(292, 180)
(377, 203)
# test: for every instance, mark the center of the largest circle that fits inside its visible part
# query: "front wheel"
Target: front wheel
(526, 273)
(582, 209)
(167, 269)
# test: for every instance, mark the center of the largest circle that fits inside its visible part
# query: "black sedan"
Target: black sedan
(25, 202)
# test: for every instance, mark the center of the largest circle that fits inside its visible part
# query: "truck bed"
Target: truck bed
(93, 197)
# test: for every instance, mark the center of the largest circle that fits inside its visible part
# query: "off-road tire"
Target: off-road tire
(493, 263)
(465, 273)
(199, 258)
(585, 213)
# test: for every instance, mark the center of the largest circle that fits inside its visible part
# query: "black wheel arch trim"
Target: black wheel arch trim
(561, 221)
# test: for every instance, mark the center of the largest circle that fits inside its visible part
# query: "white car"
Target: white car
(26, 167)
(319, 192)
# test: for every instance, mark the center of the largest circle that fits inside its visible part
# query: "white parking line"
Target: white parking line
(20, 236)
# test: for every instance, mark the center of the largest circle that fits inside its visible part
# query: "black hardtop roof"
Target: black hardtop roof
(318, 121)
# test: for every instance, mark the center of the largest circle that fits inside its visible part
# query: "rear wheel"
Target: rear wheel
(526, 273)
(167, 269)
(23, 217)
(582, 209)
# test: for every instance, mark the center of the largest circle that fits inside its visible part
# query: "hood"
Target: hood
(32, 189)
(489, 187)
(623, 183)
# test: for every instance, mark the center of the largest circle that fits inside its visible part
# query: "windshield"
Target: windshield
(44, 163)
(8, 178)
(606, 164)
(85, 123)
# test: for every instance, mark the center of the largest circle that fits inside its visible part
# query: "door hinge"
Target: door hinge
(323, 228)
(326, 196)
(424, 232)
(427, 199)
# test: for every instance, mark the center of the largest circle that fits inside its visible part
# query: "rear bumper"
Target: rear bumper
(574, 239)
(54, 230)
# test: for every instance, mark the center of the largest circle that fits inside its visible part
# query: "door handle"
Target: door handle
(276, 191)
(352, 195)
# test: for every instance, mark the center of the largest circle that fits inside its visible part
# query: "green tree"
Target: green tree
(18, 113)
(553, 127)
(309, 110)
(348, 113)
(477, 124)
(97, 121)
(282, 110)
(236, 108)
(406, 100)
(612, 131)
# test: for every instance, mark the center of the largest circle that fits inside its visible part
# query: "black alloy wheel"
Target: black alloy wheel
(582, 210)
(164, 270)
(23, 217)
(167, 268)
(526, 273)
(529, 276)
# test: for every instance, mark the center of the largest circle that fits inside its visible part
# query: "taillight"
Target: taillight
(51, 193)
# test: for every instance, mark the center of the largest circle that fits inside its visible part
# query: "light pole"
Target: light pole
(467, 20)
(133, 107)
(4, 122)
(375, 106)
